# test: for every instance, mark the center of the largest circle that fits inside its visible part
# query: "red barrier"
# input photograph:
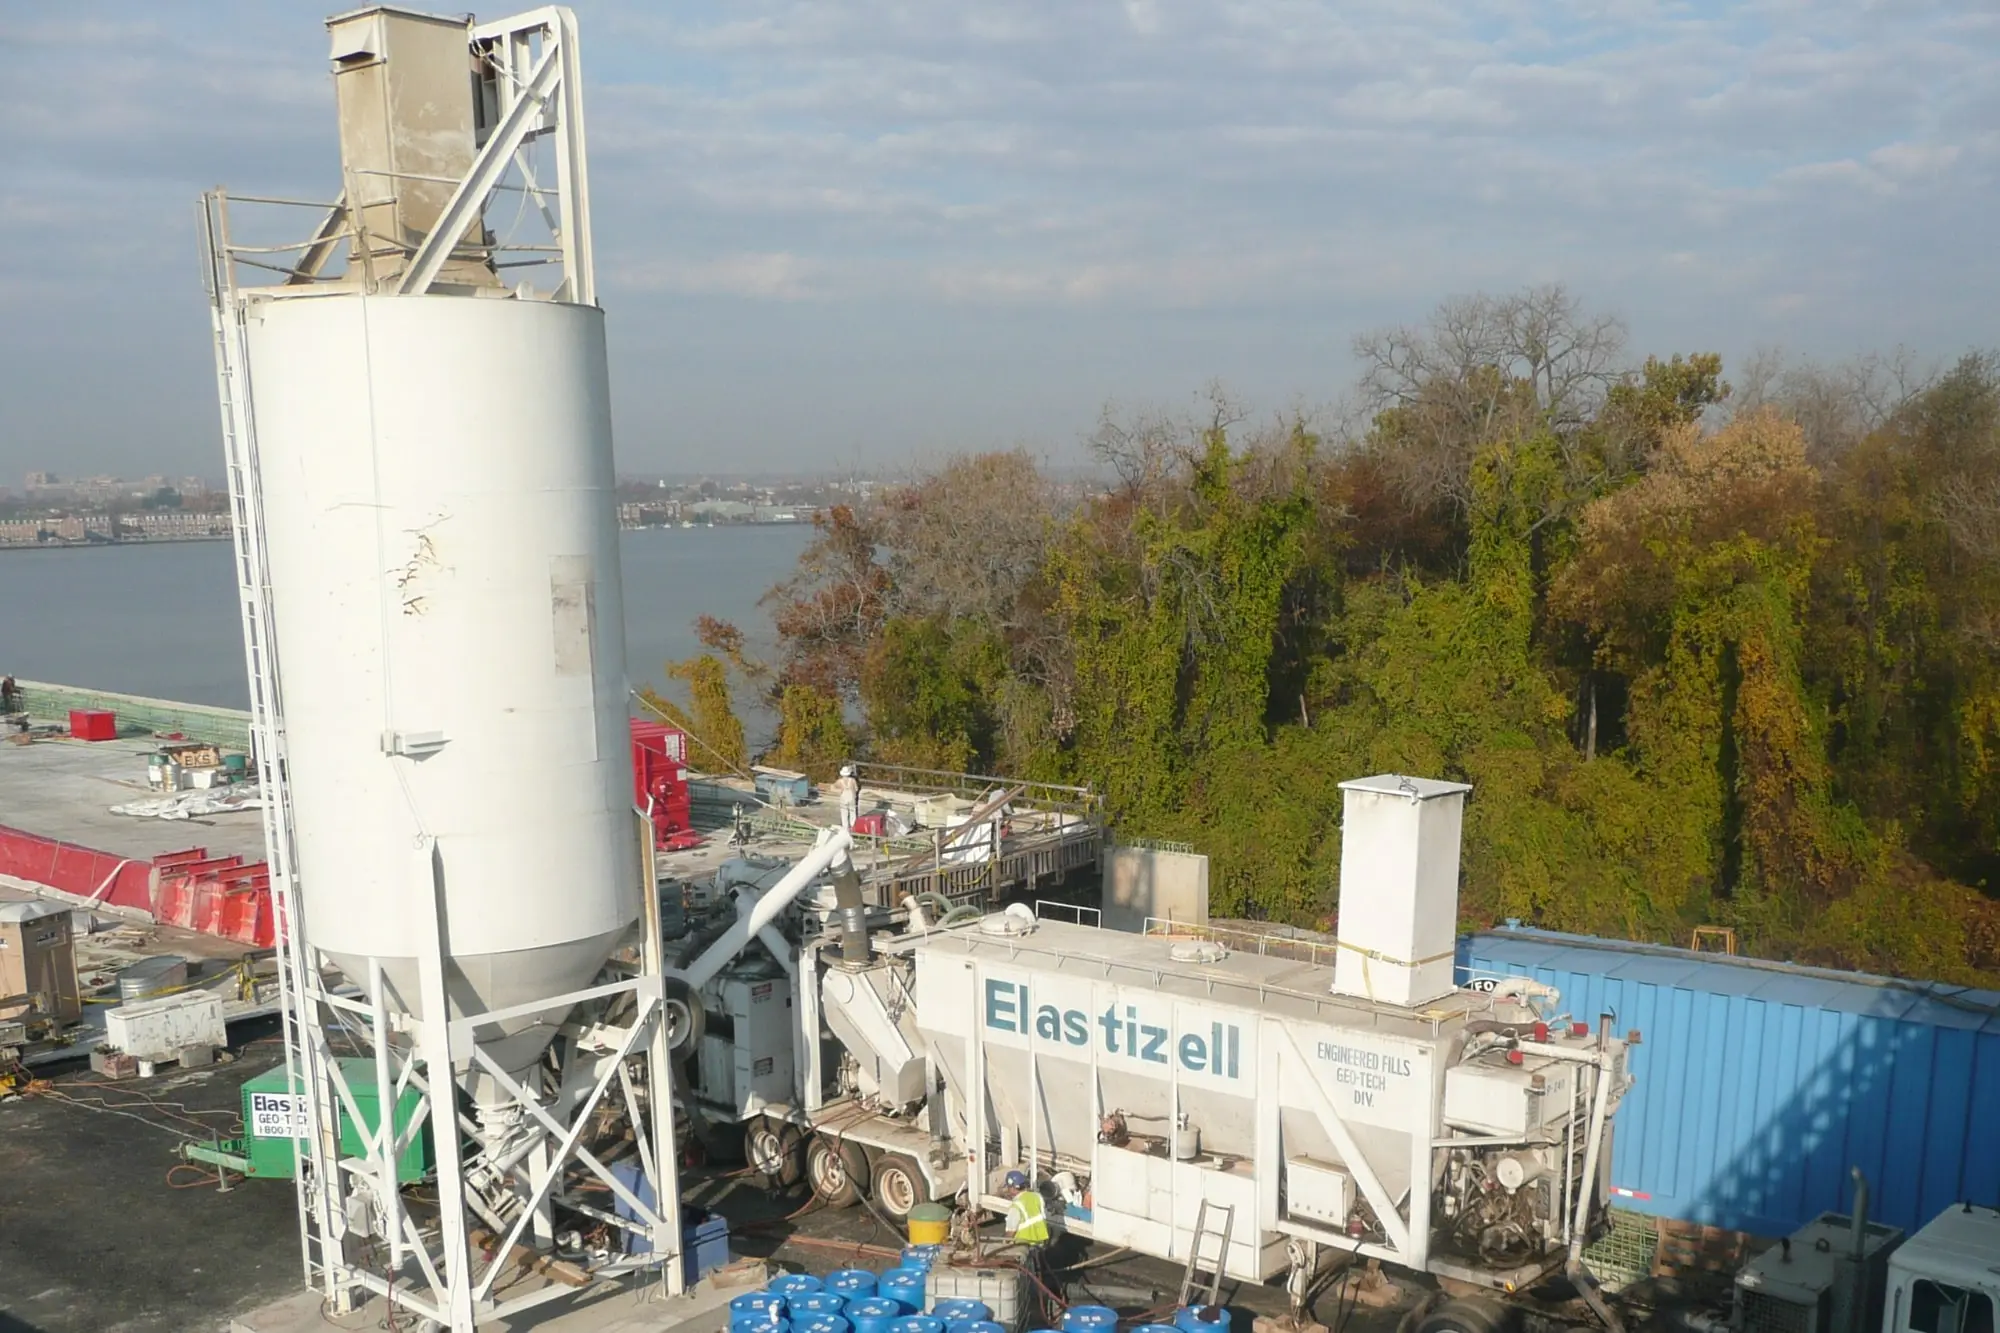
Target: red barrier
(222, 896)
(78, 872)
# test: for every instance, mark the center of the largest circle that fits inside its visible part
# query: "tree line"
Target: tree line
(1710, 652)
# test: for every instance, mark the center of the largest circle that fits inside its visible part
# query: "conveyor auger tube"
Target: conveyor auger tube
(831, 851)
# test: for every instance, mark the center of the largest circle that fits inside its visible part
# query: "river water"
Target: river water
(160, 619)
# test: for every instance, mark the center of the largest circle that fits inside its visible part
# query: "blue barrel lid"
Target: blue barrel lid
(816, 1302)
(756, 1300)
(917, 1323)
(1157, 1328)
(1089, 1319)
(974, 1326)
(901, 1277)
(850, 1280)
(874, 1307)
(959, 1307)
(820, 1323)
(793, 1284)
(763, 1322)
(1202, 1319)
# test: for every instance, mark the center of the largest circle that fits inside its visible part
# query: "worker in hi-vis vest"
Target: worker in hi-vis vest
(1028, 1225)
(1027, 1217)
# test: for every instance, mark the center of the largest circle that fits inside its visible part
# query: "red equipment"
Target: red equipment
(93, 724)
(660, 783)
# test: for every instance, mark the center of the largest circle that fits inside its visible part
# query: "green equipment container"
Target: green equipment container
(269, 1147)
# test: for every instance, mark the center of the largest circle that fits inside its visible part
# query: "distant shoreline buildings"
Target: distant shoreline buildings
(54, 511)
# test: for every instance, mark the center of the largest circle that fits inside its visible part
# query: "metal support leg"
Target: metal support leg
(454, 1262)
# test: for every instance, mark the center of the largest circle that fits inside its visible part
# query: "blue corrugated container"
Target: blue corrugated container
(781, 784)
(1758, 1084)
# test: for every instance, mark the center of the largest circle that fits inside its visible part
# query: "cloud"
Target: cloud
(778, 276)
(1135, 191)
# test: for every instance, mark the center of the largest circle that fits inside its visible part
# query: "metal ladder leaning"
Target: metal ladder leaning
(320, 1244)
(1192, 1276)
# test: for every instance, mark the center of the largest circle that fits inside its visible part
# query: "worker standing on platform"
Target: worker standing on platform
(849, 788)
(10, 696)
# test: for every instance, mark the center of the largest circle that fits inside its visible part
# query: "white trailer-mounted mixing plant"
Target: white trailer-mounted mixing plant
(1171, 1094)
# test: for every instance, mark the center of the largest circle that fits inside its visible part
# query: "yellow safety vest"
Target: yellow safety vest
(1027, 1220)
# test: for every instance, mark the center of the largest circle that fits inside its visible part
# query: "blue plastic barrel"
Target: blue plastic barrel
(1090, 1319)
(957, 1310)
(851, 1283)
(1156, 1328)
(921, 1256)
(792, 1284)
(759, 1323)
(974, 1326)
(917, 1323)
(874, 1314)
(820, 1323)
(756, 1304)
(814, 1302)
(905, 1286)
(1202, 1319)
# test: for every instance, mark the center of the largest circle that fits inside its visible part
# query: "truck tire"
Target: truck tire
(836, 1170)
(773, 1149)
(1470, 1314)
(898, 1185)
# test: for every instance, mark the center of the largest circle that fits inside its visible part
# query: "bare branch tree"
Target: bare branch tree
(964, 540)
(1836, 404)
(1482, 369)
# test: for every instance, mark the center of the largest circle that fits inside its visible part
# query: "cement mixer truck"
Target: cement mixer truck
(1242, 1112)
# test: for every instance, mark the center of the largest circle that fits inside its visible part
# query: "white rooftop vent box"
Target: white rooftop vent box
(1398, 888)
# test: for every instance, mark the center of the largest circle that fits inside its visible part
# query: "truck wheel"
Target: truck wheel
(771, 1148)
(1470, 1314)
(899, 1186)
(835, 1170)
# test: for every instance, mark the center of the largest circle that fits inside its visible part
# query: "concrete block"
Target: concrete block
(113, 1064)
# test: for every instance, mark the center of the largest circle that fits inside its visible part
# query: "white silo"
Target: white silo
(445, 583)
(419, 448)
(441, 535)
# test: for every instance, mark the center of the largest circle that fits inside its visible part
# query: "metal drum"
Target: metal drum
(152, 976)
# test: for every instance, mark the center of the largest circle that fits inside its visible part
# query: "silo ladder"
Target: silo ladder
(1192, 1277)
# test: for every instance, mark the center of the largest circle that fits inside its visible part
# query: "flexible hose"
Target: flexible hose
(961, 914)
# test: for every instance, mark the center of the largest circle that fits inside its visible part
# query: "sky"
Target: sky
(862, 233)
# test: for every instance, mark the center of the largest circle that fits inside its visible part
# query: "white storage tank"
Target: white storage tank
(441, 535)
(442, 538)
(1399, 839)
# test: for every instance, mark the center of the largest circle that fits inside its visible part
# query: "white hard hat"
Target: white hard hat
(847, 770)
